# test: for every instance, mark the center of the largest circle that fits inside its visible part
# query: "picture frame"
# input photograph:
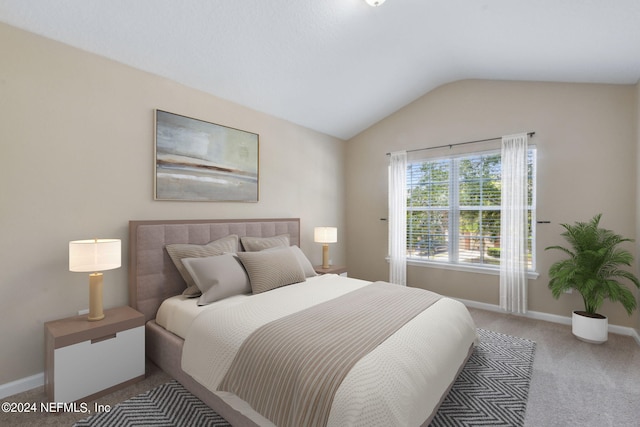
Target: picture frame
(196, 160)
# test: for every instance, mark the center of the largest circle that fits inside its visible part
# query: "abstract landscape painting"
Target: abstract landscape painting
(202, 161)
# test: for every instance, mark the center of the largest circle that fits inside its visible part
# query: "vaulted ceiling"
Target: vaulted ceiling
(339, 66)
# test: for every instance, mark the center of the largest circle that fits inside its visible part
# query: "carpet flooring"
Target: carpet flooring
(574, 383)
(491, 390)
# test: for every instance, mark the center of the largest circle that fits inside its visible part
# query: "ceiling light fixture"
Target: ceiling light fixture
(375, 3)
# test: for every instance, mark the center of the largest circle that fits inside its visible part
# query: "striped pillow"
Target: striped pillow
(254, 244)
(269, 270)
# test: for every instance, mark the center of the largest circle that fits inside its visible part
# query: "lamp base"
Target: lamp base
(325, 256)
(95, 297)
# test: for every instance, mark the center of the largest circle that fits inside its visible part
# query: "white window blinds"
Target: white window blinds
(453, 209)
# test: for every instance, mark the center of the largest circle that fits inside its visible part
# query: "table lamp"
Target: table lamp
(325, 235)
(94, 256)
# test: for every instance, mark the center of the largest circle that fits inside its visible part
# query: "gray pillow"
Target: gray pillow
(254, 244)
(192, 292)
(269, 270)
(217, 277)
(304, 262)
(177, 251)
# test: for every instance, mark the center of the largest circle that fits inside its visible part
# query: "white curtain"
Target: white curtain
(513, 228)
(398, 218)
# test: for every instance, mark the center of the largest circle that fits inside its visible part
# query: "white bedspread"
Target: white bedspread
(399, 383)
(176, 313)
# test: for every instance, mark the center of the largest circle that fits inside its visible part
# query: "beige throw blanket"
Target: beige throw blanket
(289, 369)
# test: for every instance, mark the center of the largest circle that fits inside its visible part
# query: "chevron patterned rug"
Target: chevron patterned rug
(491, 390)
(493, 387)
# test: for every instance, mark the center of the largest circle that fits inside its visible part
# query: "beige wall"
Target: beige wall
(77, 162)
(586, 139)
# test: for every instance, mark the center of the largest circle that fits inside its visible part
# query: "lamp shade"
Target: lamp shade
(94, 255)
(325, 235)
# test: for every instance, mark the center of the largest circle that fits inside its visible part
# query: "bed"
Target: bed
(226, 346)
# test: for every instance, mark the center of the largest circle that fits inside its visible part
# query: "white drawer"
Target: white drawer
(88, 367)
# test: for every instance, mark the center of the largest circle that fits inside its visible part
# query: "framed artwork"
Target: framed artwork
(201, 161)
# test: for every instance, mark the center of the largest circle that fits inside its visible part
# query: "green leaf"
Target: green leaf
(593, 266)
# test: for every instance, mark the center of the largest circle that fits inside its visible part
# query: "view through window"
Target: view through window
(453, 209)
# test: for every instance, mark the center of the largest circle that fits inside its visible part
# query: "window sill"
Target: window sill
(462, 267)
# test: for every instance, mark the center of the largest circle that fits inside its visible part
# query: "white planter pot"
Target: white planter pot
(590, 329)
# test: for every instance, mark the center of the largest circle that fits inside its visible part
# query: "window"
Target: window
(453, 209)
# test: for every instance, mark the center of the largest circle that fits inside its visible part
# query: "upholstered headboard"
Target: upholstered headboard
(152, 275)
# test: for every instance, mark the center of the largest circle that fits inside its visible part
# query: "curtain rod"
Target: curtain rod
(461, 143)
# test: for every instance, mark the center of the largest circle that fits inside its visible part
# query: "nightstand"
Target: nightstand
(85, 360)
(333, 269)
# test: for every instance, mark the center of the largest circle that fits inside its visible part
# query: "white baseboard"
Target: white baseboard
(538, 315)
(23, 384)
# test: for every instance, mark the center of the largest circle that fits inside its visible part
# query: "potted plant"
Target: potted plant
(593, 269)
